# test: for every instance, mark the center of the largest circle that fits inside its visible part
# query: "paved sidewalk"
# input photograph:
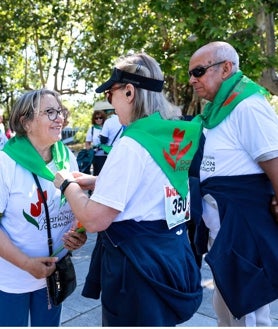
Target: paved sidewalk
(79, 311)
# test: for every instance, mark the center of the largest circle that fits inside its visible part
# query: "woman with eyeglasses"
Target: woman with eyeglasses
(37, 118)
(93, 140)
(143, 264)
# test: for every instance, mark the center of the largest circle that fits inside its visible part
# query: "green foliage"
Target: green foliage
(80, 117)
(71, 46)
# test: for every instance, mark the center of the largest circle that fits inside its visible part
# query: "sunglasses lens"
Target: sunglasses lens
(198, 72)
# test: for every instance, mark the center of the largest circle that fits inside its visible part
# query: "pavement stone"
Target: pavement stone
(79, 311)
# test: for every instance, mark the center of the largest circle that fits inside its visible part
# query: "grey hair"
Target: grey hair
(147, 102)
(224, 51)
(26, 107)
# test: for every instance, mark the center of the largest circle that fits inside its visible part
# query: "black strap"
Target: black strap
(50, 241)
(116, 136)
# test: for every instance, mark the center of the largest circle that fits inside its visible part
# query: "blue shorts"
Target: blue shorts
(15, 309)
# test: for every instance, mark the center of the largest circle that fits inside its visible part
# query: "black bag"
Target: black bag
(84, 159)
(62, 282)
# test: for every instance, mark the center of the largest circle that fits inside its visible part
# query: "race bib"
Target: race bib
(177, 209)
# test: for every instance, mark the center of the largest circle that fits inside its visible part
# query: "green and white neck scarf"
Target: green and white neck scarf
(171, 143)
(232, 91)
(23, 152)
(97, 126)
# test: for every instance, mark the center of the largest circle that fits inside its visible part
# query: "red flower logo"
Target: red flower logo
(175, 153)
(35, 209)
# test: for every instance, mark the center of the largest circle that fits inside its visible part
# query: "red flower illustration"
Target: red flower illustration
(178, 135)
(175, 154)
(36, 208)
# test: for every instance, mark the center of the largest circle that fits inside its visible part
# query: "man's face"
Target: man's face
(206, 75)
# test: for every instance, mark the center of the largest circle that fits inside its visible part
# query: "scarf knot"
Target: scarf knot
(232, 91)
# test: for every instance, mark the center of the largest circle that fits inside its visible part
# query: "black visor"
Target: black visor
(119, 76)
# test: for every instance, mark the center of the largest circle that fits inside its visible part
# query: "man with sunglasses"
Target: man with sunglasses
(239, 181)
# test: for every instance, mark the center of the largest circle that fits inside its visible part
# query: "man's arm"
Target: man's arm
(270, 167)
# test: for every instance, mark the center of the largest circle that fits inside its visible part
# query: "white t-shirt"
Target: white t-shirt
(3, 140)
(233, 147)
(94, 138)
(24, 220)
(131, 182)
(111, 128)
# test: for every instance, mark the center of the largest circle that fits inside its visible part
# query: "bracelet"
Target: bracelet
(65, 184)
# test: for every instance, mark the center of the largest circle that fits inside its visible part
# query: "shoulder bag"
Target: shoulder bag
(62, 282)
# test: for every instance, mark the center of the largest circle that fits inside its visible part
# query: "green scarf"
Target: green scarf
(23, 152)
(231, 92)
(97, 126)
(171, 143)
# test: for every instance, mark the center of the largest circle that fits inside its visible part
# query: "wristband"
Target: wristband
(65, 184)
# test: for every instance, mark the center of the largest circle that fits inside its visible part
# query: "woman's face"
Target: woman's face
(99, 120)
(121, 102)
(45, 129)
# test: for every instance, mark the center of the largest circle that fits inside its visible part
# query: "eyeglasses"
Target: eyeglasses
(98, 118)
(53, 113)
(201, 70)
(108, 93)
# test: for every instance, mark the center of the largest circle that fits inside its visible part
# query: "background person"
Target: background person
(143, 264)
(111, 130)
(239, 174)
(3, 140)
(2, 126)
(37, 118)
(93, 140)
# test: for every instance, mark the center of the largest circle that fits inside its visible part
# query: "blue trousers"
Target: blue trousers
(15, 310)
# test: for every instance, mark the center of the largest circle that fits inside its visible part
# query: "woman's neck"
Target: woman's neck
(44, 151)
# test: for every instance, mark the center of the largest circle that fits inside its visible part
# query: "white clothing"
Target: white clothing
(94, 138)
(260, 317)
(233, 147)
(2, 128)
(24, 220)
(129, 162)
(110, 128)
(3, 140)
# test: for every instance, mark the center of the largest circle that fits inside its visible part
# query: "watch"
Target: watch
(65, 184)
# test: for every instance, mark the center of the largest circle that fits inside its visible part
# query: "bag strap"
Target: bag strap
(116, 136)
(49, 238)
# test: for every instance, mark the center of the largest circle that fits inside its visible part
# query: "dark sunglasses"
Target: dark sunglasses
(201, 70)
(97, 118)
(108, 93)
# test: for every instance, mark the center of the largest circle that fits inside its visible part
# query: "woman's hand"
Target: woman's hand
(74, 240)
(61, 176)
(40, 267)
(85, 181)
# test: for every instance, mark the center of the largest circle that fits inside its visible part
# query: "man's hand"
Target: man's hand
(274, 208)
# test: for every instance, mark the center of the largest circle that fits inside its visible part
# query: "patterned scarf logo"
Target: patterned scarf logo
(176, 151)
(35, 209)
